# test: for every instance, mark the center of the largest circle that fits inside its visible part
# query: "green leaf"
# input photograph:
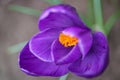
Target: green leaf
(86, 21)
(57, 1)
(111, 21)
(98, 16)
(24, 10)
(52, 2)
(90, 13)
(16, 48)
(64, 77)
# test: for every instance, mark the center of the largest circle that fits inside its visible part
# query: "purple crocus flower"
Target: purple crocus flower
(64, 44)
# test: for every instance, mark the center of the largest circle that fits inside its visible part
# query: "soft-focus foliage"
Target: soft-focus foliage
(25, 10)
(111, 21)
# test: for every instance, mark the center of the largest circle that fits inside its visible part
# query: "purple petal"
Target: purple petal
(32, 65)
(64, 55)
(60, 16)
(84, 36)
(40, 44)
(96, 60)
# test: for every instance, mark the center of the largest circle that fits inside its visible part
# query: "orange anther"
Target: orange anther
(67, 40)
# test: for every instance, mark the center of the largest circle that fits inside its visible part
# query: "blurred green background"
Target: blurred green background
(19, 21)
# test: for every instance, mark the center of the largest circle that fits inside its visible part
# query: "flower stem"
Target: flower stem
(64, 77)
(90, 13)
(98, 15)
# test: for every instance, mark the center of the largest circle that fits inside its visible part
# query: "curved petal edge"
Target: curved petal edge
(32, 65)
(96, 61)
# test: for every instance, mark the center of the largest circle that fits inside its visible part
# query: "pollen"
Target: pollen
(67, 40)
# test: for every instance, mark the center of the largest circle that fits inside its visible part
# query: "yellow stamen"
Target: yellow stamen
(67, 40)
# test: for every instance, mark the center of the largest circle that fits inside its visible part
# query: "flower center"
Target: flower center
(67, 40)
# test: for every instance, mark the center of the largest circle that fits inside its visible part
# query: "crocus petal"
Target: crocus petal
(40, 44)
(84, 36)
(64, 55)
(96, 60)
(59, 16)
(32, 65)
